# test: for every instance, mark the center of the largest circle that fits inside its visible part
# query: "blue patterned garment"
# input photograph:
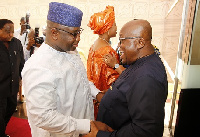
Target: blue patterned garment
(64, 14)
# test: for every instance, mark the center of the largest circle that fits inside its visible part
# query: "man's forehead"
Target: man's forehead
(125, 31)
(69, 28)
(60, 26)
(131, 30)
(54, 24)
(8, 26)
(23, 22)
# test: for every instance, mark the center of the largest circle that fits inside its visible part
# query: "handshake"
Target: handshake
(95, 126)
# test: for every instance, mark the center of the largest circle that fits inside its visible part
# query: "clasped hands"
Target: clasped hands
(95, 126)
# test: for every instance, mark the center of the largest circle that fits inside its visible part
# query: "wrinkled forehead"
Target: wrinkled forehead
(130, 31)
(51, 24)
(8, 27)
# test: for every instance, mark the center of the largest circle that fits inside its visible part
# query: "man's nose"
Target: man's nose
(11, 34)
(78, 38)
(119, 45)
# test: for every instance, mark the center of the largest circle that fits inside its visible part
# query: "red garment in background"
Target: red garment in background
(100, 73)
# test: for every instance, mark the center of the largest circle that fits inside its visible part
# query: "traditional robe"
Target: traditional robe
(58, 94)
(100, 73)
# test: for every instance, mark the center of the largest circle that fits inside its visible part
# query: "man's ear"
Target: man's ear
(54, 33)
(141, 43)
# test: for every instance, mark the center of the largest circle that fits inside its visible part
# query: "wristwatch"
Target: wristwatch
(116, 66)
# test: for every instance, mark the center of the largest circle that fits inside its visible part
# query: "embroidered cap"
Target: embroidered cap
(64, 14)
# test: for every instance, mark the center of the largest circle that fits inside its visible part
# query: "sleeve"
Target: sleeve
(147, 113)
(94, 90)
(89, 70)
(111, 74)
(40, 90)
(22, 61)
(98, 71)
(26, 54)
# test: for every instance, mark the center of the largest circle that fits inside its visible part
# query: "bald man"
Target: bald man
(134, 104)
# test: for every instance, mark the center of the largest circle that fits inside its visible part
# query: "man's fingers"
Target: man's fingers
(93, 126)
(110, 129)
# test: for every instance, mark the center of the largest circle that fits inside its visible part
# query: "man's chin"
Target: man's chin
(6, 40)
(73, 48)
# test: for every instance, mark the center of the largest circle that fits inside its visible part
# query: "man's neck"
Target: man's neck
(6, 44)
(54, 47)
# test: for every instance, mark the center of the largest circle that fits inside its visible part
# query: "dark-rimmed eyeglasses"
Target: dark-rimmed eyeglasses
(73, 34)
(120, 39)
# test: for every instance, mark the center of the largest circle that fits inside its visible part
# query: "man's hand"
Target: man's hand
(95, 127)
(102, 126)
(93, 132)
(31, 42)
(99, 96)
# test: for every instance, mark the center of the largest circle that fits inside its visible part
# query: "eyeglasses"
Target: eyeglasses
(73, 34)
(120, 39)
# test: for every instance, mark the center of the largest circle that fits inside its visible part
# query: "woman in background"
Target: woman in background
(103, 24)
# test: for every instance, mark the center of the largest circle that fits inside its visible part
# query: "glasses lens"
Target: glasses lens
(75, 34)
(120, 41)
(78, 32)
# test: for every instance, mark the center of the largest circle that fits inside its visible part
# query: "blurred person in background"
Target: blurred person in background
(32, 45)
(22, 34)
(103, 24)
(44, 32)
(11, 64)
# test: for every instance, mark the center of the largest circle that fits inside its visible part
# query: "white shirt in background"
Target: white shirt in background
(24, 40)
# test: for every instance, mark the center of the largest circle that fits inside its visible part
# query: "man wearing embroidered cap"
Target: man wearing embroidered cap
(58, 93)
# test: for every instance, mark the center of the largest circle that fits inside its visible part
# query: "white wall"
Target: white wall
(191, 72)
(191, 77)
(125, 10)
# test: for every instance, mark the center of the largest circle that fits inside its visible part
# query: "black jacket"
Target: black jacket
(134, 105)
(11, 65)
